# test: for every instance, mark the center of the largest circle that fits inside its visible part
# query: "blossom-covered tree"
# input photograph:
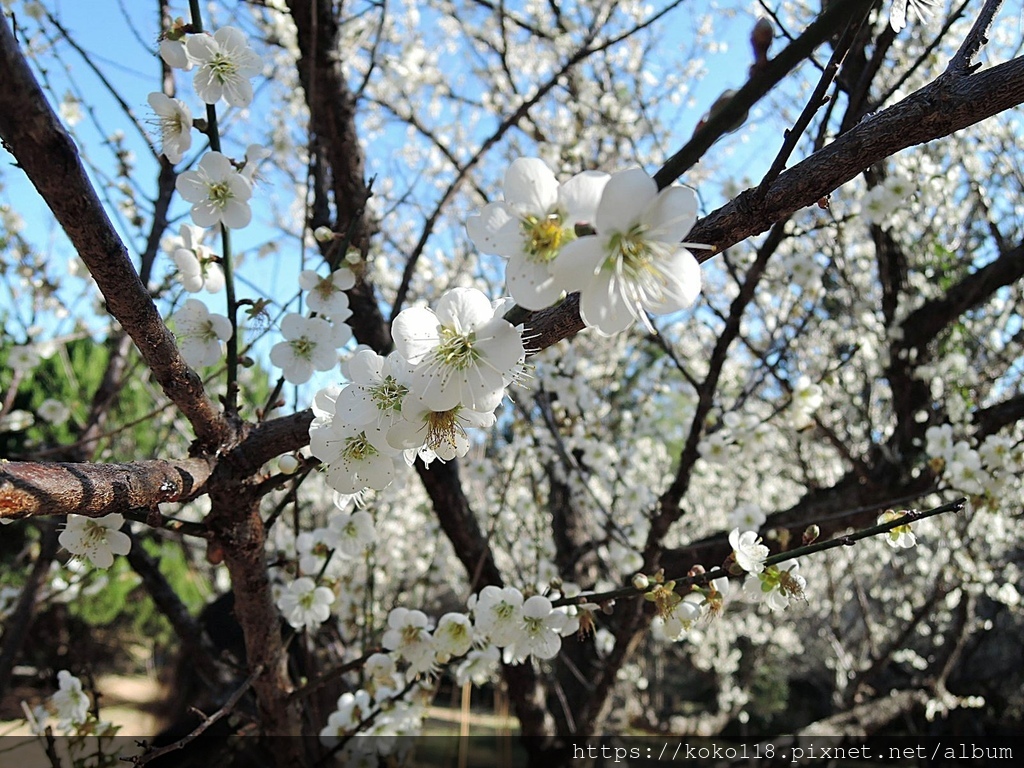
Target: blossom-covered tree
(730, 349)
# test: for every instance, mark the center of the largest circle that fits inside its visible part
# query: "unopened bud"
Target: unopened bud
(761, 39)
(287, 464)
(811, 534)
(323, 234)
(640, 581)
(697, 570)
(720, 104)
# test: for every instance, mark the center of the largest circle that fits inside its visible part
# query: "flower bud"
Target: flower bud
(811, 534)
(761, 39)
(640, 581)
(287, 464)
(323, 234)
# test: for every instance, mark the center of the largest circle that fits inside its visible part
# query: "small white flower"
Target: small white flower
(53, 411)
(304, 605)
(540, 632)
(351, 534)
(440, 433)
(175, 120)
(218, 193)
(327, 294)
(197, 268)
(635, 264)
(498, 613)
(311, 344)
(463, 354)
(23, 359)
(226, 62)
(199, 333)
(748, 550)
(98, 538)
(776, 585)
(900, 537)
(70, 703)
(408, 635)
(747, 517)
(379, 387)
(353, 461)
(898, 12)
(536, 218)
(479, 666)
(453, 636)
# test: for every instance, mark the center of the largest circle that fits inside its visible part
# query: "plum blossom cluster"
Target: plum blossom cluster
(448, 374)
(676, 613)
(986, 470)
(304, 603)
(501, 621)
(614, 238)
(378, 711)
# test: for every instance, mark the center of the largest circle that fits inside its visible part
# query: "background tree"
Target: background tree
(856, 345)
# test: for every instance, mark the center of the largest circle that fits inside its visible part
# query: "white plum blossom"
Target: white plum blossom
(199, 333)
(226, 62)
(676, 624)
(54, 411)
(351, 534)
(327, 294)
(539, 633)
(498, 613)
(218, 192)
(462, 353)
(408, 635)
(747, 517)
(748, 550)
(352, 709)
(175, 121)
(353, 461)
(197, 267)
(440, 433)
(898, 12)
(776, 585)
(69, 702)
(479, 666)
(900, 537)
(97, 538)
(453, 636)
(311, 344)
(304, 605)
(635, 263)
(377, 390)
(533, 222)
(23, 359)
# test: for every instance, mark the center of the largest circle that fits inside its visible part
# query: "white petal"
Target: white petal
(530, 186)
(624, 199)
(581, 194)
(682, 273)
(415, 332)
(672, 214)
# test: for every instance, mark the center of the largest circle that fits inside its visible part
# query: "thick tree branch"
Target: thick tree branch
(28, 488)
(44, 150)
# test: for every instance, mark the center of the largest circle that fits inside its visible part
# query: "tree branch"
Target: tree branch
(94, 490)
(44, 150)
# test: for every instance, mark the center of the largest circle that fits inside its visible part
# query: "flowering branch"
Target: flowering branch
(718, 572)
(35, 136)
